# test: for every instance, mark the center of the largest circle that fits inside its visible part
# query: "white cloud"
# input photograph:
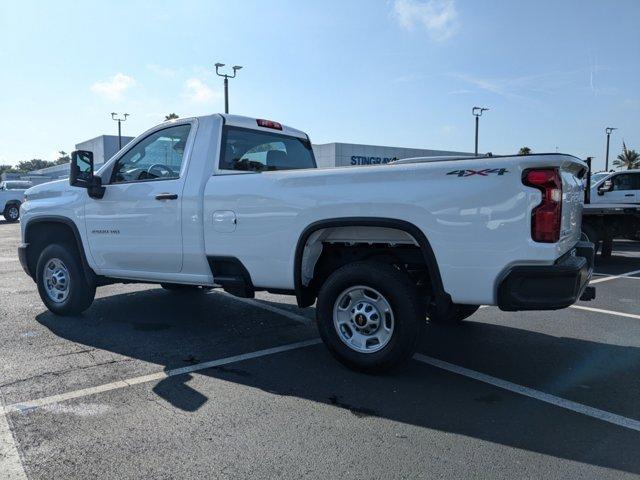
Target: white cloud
(114, 88)
(439, 17)
(162, 71)
(461, 91)
(197, 91)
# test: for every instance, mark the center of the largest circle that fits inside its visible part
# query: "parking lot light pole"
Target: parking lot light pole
(608, 131)
(119, 120)
(477, 112)
(226, 82)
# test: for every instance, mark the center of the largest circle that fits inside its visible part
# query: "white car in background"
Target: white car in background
(11, 196)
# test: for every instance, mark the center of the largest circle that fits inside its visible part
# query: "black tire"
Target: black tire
(607, 248)
(12, 212)
(590, 234)
(180, 288)
(401, 295)
(456, 314)
(81, 293)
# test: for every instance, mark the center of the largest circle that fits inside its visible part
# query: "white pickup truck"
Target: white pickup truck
(612, 209)
(11, 196)
(238, 203)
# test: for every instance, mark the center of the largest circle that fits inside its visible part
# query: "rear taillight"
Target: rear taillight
(546, 217)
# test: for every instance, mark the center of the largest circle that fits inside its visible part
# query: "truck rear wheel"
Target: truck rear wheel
(12, 212)
(455, 314)
(61, 282)
(369, 316)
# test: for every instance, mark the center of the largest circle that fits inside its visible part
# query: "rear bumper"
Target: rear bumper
(22, 256)
(549, 287)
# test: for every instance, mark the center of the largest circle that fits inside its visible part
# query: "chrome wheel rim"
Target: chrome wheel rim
(363, 319)
(56, 280)
(13, 213)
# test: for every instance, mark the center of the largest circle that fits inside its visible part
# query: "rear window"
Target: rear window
(251, 150)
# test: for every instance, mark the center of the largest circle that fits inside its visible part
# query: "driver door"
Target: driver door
(136, 226)
(625, 188)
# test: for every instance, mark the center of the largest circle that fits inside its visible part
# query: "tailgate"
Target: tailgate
(572, 172)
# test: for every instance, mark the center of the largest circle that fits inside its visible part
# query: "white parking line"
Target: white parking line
(10, 464)
(482, 377)
(613, 277)
(25, 406)
(608, 312)
(532, 393)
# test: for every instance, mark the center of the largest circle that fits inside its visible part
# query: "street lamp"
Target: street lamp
(477, 112)
(119, 120)
(608, 131)
(226, 82)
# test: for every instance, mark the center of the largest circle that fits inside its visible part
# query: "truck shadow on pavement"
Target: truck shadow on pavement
(178, 330)
(623, 259)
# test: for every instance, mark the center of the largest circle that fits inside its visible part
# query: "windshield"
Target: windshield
(596, 177)
(254, 150)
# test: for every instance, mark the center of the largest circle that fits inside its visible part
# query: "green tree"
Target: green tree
(63, 158)
(171, 116)
(627, 159)
(524, 151)
(8, 169)
(34, 164)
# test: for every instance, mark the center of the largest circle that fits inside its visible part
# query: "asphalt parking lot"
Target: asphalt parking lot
(150, 384)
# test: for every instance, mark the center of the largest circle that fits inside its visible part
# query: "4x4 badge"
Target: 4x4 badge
(482, 173)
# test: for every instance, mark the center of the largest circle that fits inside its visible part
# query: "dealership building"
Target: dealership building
(351, 154)
(327, 155)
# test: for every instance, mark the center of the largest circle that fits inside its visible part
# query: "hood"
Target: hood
(49, 189)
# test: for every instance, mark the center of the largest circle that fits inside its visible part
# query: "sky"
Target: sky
(399, 72)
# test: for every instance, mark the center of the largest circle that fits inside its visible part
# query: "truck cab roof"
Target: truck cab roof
(250, 122)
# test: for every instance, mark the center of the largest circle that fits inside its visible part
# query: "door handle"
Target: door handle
(167, 196)
(628, 194)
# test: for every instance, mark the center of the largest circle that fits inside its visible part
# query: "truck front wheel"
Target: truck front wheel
(369, 316)
(12, 212)
(61, 282)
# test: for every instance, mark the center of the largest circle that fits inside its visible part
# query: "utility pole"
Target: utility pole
(226, 82)
(119, 120)
(477, 112)
(608, 131)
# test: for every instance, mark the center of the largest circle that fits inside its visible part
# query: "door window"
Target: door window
(626, 181)
(157, 157)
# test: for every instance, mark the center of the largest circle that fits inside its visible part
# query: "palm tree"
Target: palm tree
(171, 116)
(628, 158)
(524, 151)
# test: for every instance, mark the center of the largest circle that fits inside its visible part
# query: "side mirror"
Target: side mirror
(607, 186)
(81, 168)
(81, 174)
